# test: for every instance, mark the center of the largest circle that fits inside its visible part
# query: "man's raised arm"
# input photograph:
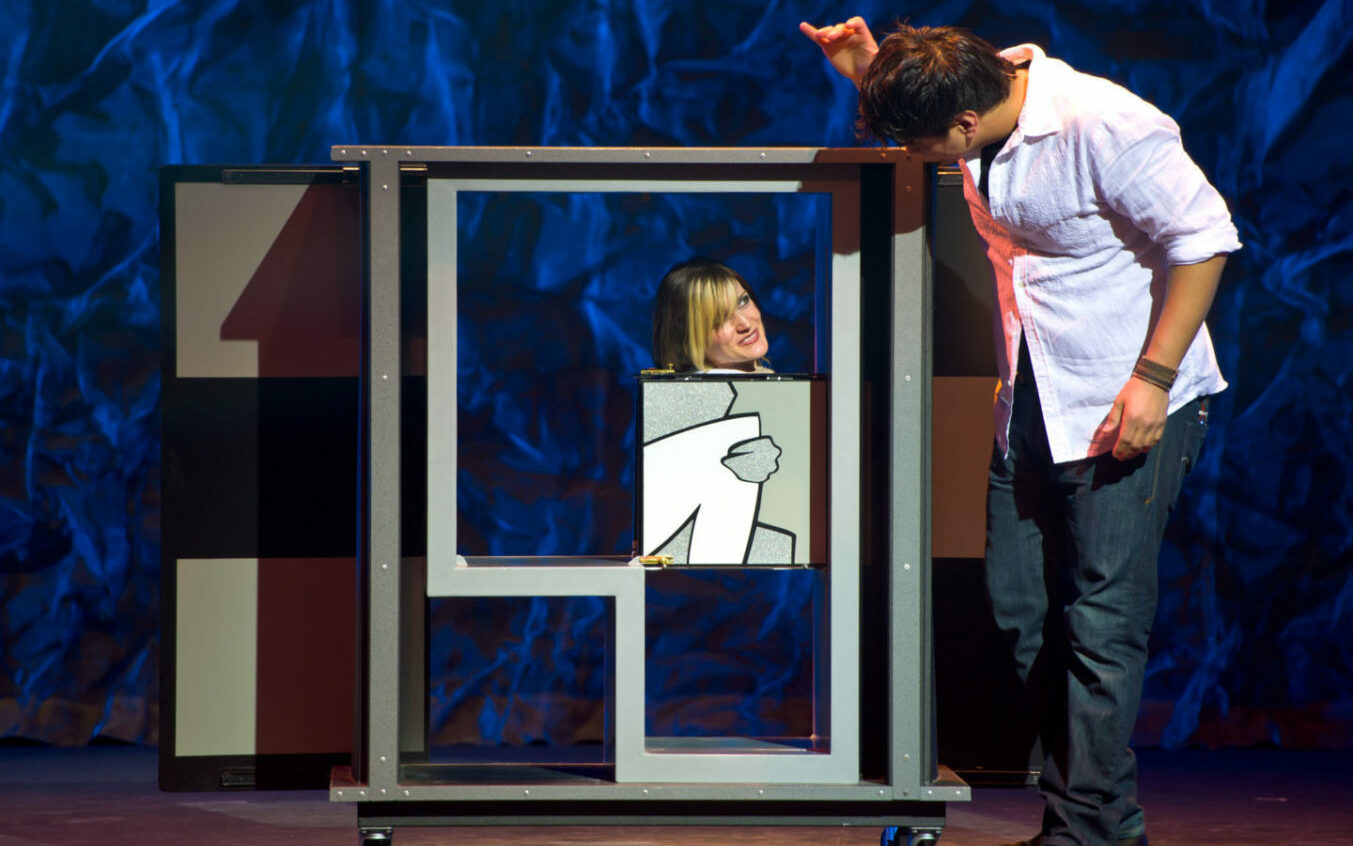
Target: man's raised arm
(849, 46)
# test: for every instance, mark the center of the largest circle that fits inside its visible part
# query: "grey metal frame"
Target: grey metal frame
(836, 793)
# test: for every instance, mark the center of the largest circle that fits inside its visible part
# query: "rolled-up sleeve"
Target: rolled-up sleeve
(1142, 172)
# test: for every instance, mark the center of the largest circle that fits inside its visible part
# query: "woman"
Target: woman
(707, 318)
(710, 461)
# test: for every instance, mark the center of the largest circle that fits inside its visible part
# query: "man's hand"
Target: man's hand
(848, 46)
(1137, 420)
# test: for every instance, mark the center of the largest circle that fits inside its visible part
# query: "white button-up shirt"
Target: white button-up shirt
(1091, 199)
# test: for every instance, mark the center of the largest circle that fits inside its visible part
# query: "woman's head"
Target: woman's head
(707, 316)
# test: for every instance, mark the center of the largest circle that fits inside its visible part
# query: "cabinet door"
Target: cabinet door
(261, 320)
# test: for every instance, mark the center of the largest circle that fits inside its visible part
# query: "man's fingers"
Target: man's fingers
(1126, 446)
(1113, 418)
(1134, 440)
(834, 32)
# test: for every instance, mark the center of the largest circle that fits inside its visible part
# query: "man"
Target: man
(1107, 244)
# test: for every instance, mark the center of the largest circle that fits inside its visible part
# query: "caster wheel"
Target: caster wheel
(898, 836)
(375, 836)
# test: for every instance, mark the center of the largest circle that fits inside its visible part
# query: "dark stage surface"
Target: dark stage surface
(108, 796)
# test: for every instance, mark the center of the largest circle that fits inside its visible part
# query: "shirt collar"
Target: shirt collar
(1037, 116)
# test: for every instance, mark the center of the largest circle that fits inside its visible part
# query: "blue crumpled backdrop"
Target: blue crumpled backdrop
(1252, 640)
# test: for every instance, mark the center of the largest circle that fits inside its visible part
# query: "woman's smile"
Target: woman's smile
(739, 342)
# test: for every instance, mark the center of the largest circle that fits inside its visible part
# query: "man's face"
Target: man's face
(949, 147)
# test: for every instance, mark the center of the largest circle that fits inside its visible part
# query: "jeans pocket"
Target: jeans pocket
(1178, 450)
(1195, 432)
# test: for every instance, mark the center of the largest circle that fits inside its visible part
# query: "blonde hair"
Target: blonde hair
(694, 298)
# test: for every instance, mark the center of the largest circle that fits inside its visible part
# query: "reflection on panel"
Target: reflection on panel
(259, 422)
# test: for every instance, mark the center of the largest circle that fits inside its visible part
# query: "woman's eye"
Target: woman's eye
(744, 300)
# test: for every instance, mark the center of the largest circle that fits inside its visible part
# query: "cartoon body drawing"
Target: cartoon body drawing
(703, 470)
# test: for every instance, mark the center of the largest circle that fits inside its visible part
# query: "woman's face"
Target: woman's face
(740, 341)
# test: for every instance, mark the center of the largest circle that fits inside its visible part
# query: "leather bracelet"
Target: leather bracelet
(1155, 373)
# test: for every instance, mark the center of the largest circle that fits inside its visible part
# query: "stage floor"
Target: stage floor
(107, 795)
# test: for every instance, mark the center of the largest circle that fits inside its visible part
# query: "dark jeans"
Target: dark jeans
(1071, 576)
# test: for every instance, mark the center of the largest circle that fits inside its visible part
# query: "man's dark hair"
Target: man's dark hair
(924, 76)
